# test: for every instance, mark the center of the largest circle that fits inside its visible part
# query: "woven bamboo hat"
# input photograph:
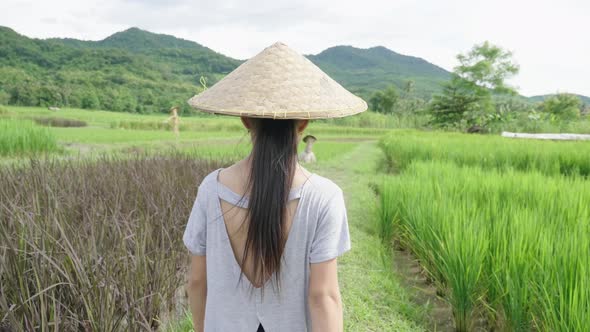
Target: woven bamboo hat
(278, 83)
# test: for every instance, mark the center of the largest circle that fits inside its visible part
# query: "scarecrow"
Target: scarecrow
(307, 155)
(174, 119)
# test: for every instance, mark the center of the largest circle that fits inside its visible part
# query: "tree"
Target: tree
(459, 98)
(488, 66)
(467, 97)
(4, 97)
(408, 103)
(563, 106)
(384, 101)
(409, 88)
(89, 99)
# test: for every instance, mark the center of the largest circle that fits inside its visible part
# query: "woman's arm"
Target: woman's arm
(197, 291)
(325, 304)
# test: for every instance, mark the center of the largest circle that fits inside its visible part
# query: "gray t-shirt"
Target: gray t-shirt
(319, 232)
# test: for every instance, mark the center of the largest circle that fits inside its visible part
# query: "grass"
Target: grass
(379, 120)
(93, 135)
(213, 135)
(511, 245)
(92, 244)
(22, 137)
(324, 151)
(372, 296)
(365, 120)
(490, 152)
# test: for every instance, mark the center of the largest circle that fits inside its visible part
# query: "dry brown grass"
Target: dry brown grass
(94, 245)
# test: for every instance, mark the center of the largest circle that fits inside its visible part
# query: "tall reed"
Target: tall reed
(94, 245)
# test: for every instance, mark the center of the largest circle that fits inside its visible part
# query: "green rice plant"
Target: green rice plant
(22, 137)
(401, 148)
(509, 244)
(371, 119)
(93, 135)
(324, 151)
(565, 295)
(93, 245)
(185, 324)
(203, 125)
(328, 150)
(318, 128)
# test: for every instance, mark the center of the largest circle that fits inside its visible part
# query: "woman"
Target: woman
(265, 233)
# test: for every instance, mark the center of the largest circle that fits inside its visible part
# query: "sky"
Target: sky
(550, 40)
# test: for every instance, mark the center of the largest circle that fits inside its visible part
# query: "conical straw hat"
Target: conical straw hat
(279, 83)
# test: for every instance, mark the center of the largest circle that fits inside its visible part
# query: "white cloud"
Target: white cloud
(548, 38)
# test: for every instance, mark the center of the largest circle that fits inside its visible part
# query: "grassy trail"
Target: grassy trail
(373, 298)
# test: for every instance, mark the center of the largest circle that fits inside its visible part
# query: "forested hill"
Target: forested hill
(138, 41)
(584, 99)
(139, 71)
(366, 70)
(133, 71)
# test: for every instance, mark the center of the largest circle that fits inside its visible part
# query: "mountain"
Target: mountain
(132, 70)
(140, 71)
(365, 70)
(186, 59)
(137, 40)
(540, 98)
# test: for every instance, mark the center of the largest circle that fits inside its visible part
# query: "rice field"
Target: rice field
(24, 137)
(489, 152)
(501, 226)
(110, 132)
(90, 233)
(504, 234)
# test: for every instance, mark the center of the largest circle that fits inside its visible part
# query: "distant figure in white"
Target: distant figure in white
(307, 155)
(174, 119)
(53, 108)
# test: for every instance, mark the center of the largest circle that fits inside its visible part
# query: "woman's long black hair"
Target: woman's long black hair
(273, 160)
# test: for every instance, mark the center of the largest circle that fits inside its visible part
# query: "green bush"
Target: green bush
(563, 106)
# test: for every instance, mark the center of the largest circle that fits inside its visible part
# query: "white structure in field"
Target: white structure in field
(557, 137)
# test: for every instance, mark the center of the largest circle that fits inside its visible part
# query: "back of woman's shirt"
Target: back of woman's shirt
(318, 233)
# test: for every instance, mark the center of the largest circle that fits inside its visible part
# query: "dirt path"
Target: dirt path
(383, 290)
